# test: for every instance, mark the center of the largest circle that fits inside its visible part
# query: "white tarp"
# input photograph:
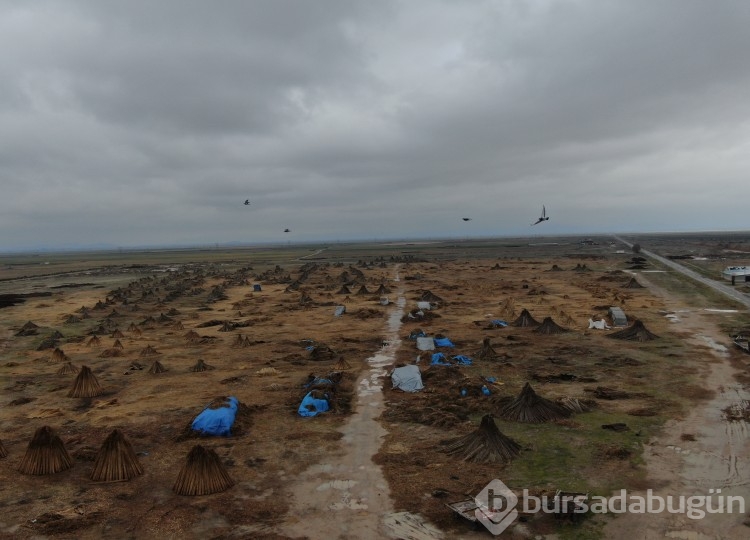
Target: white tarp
(340, 310)
(599, 325)
(423, 305)
(426, 343)
(407, 378)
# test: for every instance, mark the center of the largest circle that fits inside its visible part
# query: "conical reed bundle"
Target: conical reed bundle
(85, 385)
(202, 474)
(116, 460)
(485, 445)
(45, 454)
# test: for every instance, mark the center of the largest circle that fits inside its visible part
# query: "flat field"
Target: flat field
(180, 307)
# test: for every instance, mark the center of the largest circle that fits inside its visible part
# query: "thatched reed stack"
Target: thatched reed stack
(531, 408)
(85, 385)
(116, 460)
(45, 454)
(202, 474)
(485, 445)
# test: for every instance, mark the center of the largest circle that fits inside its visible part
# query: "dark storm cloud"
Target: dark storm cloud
(149, 122)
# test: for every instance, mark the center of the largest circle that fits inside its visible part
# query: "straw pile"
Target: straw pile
(531, 408)
(3, 451)
(525, 320)
(67, 369)
(116, 460)
(487, 352)
(157, 367)
(200, 366)
(202, 474)
(342, 364)
(485, 445)
(149, 351)
(59, 356)
(635, 332)
(45, 454)
(633, 284)
(85, 385)
(548, 327)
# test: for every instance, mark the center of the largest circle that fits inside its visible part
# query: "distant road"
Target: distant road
(312, 254)
(720, 287)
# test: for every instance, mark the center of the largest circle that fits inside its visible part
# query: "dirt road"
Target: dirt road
(348, 497)
(700, 454)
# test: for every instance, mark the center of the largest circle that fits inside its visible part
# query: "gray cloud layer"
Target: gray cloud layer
(132, 123)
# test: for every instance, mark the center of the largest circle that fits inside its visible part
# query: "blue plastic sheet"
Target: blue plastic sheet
(439, 359)
(217, 421)
(311, 406)
(498, 323)
(463, 360)
(443, 342)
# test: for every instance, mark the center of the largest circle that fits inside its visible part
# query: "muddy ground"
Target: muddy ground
(275, 455)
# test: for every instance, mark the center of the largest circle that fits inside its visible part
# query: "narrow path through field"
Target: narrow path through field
(349, 496)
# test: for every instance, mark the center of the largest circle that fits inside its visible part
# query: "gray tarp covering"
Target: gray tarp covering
(426, 344)
(423, 305)
(407, 378)
(618, 316)
(340, 310)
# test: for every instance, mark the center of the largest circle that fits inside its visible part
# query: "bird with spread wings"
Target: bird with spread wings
(544, 216)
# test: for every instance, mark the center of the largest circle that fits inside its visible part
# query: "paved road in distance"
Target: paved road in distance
(720, 287)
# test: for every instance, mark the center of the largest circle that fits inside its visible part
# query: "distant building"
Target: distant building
(736, 274)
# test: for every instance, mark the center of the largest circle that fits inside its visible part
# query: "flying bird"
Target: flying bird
(247, 202)
(544, 216)
(466, 219)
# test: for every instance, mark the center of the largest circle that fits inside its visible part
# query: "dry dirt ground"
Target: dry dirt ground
(274, 455)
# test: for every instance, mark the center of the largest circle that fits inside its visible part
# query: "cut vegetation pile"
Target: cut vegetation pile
(485, 445)
(202, 474)
(635, 332)
(529, 407)
(46, 454)
(116, 460)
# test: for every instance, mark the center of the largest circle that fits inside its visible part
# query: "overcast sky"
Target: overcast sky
(150, 122)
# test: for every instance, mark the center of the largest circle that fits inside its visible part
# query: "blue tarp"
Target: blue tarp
(438, 359)
(217, 421)
(311, 406)
(498, 323)
(463, 360)
(443, 342)
(256, 288)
